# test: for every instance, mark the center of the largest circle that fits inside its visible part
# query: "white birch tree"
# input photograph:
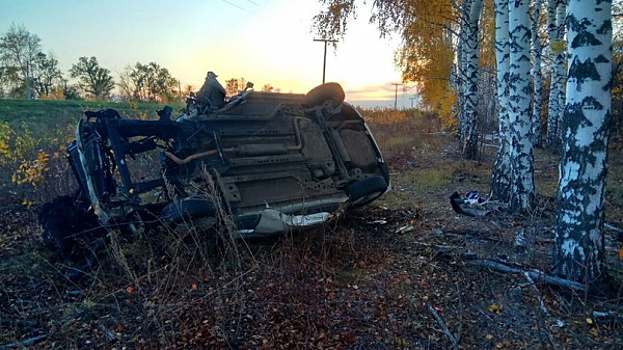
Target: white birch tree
(579, 248)
(522, 158)
(501, 179)
(537, 79)
(469, 75)
(556, 32)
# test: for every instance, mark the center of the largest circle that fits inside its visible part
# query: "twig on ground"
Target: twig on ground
(21, 344)
(109, 335)
(444, 328)
(604, 313)
(476, 235)
(433, 245)
(459, 332)
(536, 290)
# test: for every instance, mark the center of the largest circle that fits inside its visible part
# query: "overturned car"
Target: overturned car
(271, 161)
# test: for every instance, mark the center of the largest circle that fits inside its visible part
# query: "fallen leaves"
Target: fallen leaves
(364, 283)
(494, 308)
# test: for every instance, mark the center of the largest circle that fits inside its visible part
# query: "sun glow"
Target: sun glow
(263, 42)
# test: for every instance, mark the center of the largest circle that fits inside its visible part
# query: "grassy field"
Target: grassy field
(33, 137)
(397, 274)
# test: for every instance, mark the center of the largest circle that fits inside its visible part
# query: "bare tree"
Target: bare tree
(46, 75)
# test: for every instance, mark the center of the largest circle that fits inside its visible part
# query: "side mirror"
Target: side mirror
(249, 86)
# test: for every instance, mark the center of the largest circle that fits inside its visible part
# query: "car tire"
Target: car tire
(68, 228)
(190, 209)
(366, 190)
(324, 92)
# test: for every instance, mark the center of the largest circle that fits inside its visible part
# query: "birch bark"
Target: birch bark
(579, 248)
(522, 158)
(501, 179)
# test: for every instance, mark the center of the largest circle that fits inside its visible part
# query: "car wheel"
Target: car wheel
(366, 190)
(324, 92)
(198, 210)
(190, 221)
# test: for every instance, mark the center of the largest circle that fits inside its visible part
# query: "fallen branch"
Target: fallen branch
(444, 328)
(21, 344)
(534, 274)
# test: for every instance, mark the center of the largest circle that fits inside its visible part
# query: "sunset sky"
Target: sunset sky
(264, 41)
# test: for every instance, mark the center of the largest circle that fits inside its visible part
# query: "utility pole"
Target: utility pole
(412, 98)
(324, 63)
(179, 82)
(396, 95)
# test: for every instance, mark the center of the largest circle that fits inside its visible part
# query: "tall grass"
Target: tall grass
(401, 135)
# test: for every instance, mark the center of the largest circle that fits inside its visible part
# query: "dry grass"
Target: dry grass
(366, 280)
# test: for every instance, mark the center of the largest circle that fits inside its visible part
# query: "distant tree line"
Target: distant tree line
(27, 72)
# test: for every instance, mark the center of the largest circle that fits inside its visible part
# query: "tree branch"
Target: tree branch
(444, 327)
(534, 274)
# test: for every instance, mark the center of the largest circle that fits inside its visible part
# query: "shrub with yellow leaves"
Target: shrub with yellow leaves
(32, 171)
(30, 165)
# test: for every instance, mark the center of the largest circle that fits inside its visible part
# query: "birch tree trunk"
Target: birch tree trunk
(469, 77)
(537, 80)
(556, 31)
(501, 179)
(579, 248)
(522, 158)
(560, 64)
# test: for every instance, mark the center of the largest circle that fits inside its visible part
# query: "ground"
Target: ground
(398, 273)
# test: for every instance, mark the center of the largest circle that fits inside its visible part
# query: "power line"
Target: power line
(237, 6)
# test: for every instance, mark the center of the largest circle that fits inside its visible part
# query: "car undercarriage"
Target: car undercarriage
(271, 161)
